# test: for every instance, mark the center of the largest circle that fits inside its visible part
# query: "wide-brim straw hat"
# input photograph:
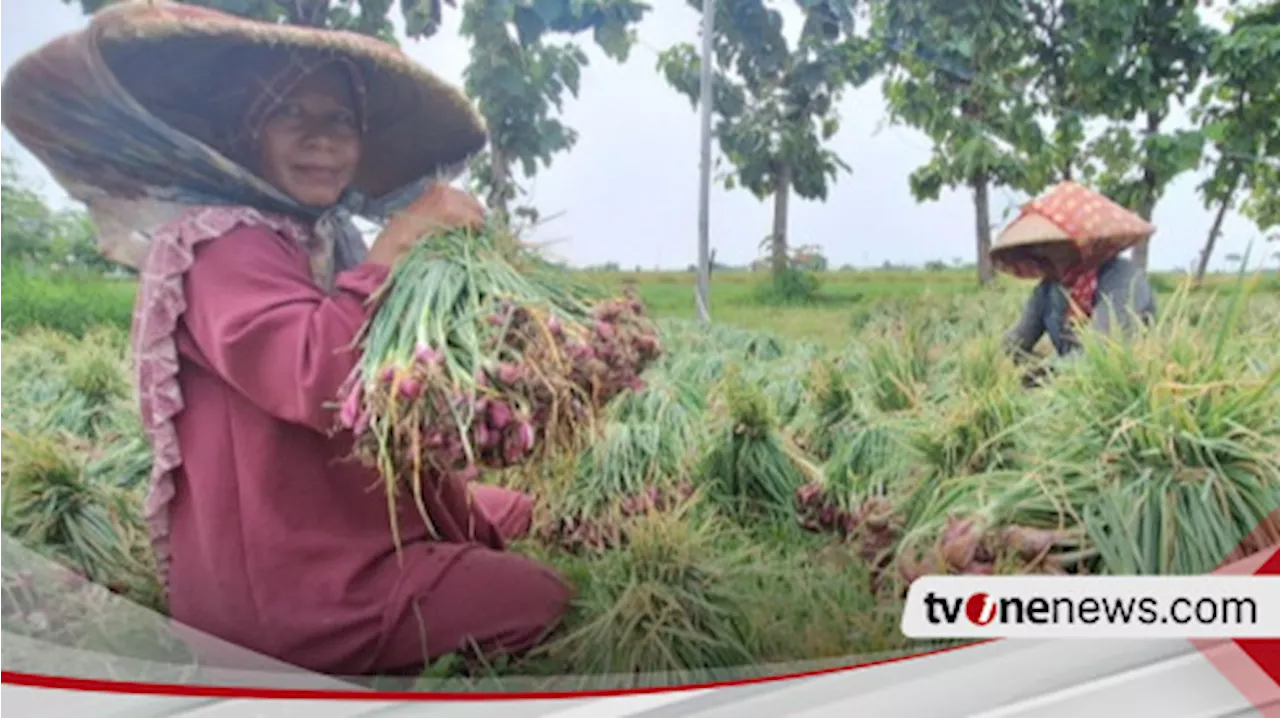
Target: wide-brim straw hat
(1072, 216)
(188, 68)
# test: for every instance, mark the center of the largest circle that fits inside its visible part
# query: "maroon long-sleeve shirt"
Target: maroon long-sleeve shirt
(280, 542)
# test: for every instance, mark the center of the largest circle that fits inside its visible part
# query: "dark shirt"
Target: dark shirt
(1123, 298)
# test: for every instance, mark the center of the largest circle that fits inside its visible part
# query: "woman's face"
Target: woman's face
(310, 143)
(1055, 259)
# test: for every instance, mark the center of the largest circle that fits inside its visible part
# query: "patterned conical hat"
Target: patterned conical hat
(130, 111)
(1068, 215)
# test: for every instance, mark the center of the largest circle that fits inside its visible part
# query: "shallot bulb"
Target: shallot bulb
(509, 373)
(350, 413)
(426, 356)
(410, 388)
(499, 415)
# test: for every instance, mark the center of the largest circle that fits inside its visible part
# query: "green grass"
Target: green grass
(71, 304)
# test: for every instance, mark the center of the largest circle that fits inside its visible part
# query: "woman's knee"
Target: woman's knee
(545, 592)
(511, 512)
(542, 599)
(494, 601)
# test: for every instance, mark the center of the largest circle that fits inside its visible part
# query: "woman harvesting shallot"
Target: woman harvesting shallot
(223, 159)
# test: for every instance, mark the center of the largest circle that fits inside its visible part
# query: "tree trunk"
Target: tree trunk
(1150, 183)
(982, 223)
(499, 180)
(1215, 230)
(1145, 210)
(778, 247)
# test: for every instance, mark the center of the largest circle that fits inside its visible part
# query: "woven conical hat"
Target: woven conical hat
(1070, 215)
(81, 98)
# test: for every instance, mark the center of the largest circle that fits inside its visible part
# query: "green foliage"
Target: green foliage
(790, 287)
(66, 302)
(37, 237)
(369, 17)
(28, 222)
(981, 79)
(1058, 154)
(1238, 110)
(519, 78)
(775, 104)
(960, 75)
(1132, 60)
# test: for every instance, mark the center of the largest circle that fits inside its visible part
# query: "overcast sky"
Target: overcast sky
(628, 191)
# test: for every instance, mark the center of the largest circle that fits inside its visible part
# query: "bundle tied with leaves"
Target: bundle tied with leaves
(483, 354)
(752, 466)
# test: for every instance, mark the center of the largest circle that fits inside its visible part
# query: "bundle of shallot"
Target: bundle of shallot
(481, 354)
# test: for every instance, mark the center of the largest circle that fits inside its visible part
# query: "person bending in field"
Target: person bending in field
(1070, 239)
(223, 158)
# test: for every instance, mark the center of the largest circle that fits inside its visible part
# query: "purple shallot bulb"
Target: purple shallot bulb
(484, 436)
(350, 409)
(508, 373)
(511, 452)
(499, 415)
(525, 432)
(828, 515)
(629, 507)
(426, 356)
(410, 388)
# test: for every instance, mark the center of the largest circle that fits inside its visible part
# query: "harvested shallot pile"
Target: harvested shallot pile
(481, 354)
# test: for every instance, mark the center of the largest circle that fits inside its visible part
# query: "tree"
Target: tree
(74, 246)
(775, 105)
(1239, 110)
(28, 222)
(1055, 38)
(1133, 59)
(960, 72)
(809, 258)
(35, 236)
(517, 79)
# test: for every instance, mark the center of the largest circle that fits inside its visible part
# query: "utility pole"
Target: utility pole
(704, 182)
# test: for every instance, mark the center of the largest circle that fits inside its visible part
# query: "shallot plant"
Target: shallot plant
(480, 354)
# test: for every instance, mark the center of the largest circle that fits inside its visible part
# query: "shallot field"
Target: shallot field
(768, 490)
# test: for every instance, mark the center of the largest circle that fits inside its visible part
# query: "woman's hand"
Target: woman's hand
(440, 208)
